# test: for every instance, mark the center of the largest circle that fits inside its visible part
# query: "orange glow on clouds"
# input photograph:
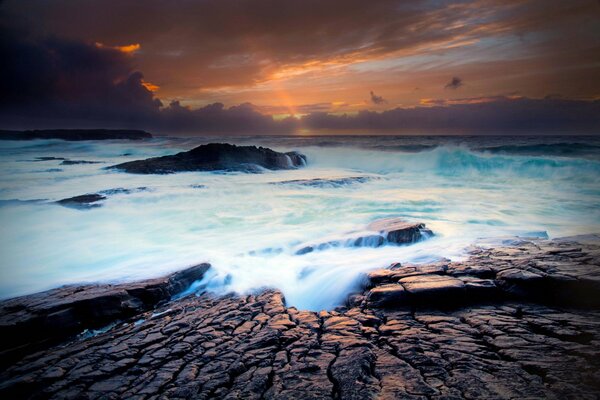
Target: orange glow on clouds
(150, 86)
(127, 49)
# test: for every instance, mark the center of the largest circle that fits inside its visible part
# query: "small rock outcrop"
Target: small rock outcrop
(216, 157)
(84, 201)
(391, 230)
(76, 134)
(397, 230)
(92, 200)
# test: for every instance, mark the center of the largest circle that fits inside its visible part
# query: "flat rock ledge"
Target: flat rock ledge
(252, 347)
(216, 157)
(35, 321)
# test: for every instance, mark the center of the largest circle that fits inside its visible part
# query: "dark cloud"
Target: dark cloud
(216, 118)
(454, 83)
(55, 79)
(378, 100)
(490, 115)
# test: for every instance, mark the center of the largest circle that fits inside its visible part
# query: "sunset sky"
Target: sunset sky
(164, 65)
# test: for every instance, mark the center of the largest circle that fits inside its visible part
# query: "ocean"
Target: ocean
(467, 190)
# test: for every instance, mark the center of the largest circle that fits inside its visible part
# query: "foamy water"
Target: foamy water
(249, 228)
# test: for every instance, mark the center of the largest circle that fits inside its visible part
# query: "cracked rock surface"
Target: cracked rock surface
(504, 324)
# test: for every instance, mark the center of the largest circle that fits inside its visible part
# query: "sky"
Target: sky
(266, 66)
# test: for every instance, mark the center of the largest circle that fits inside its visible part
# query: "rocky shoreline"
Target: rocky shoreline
(520, 320)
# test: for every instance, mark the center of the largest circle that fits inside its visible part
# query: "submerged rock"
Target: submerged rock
(124, 190)
(326, 183)
(76, 134)
(77, 162)
(83, 201)
(216, 157)
(49, 159)
(91, 200)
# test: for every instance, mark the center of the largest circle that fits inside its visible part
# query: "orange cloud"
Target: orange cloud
(470, 100)
(127, 49)
(150, 86)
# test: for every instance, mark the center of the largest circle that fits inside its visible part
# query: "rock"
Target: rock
(48, 159)
(326, 183)
(76, 162)
(215, 157)
(59, 313)
(399, 231)
(110, 192)
(436, 288)
(87, 201)
(76, 134)
(388, 294)
(84, 201)
(406, 346)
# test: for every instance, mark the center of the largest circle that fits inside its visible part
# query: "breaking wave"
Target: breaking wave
(250, 229)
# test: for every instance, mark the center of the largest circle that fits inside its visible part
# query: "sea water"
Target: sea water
(250, 226)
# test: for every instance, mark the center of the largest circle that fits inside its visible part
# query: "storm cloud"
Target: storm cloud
(51, 79)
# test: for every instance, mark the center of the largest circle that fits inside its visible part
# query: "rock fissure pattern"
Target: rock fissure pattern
(512, 340)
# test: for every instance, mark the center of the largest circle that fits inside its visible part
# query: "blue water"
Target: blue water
(249, 226)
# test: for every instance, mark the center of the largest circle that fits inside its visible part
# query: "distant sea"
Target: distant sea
(467, 190)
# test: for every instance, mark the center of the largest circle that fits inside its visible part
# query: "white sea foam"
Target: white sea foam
(250, 228)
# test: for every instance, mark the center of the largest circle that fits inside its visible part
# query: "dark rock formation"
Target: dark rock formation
(396, 230)
(76, 134)
(392, 230)
(506, 347)
(110, 192)
(76, 162)
(551, 272)
(30, 321)
(49, 159)
(87, 201)
(216, 157)
(84, 201)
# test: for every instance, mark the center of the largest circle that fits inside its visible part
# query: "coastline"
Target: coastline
(520, 320)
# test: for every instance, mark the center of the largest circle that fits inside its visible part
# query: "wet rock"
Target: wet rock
(91, 200)
(389, 294)
(49, 159)
(326, 183)
(77, 162)
(419, 345)
(399, 232)
(76, 134)
(215, 157)
(110, 192)
(396, 230)
(84, 201)
(60, 313)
